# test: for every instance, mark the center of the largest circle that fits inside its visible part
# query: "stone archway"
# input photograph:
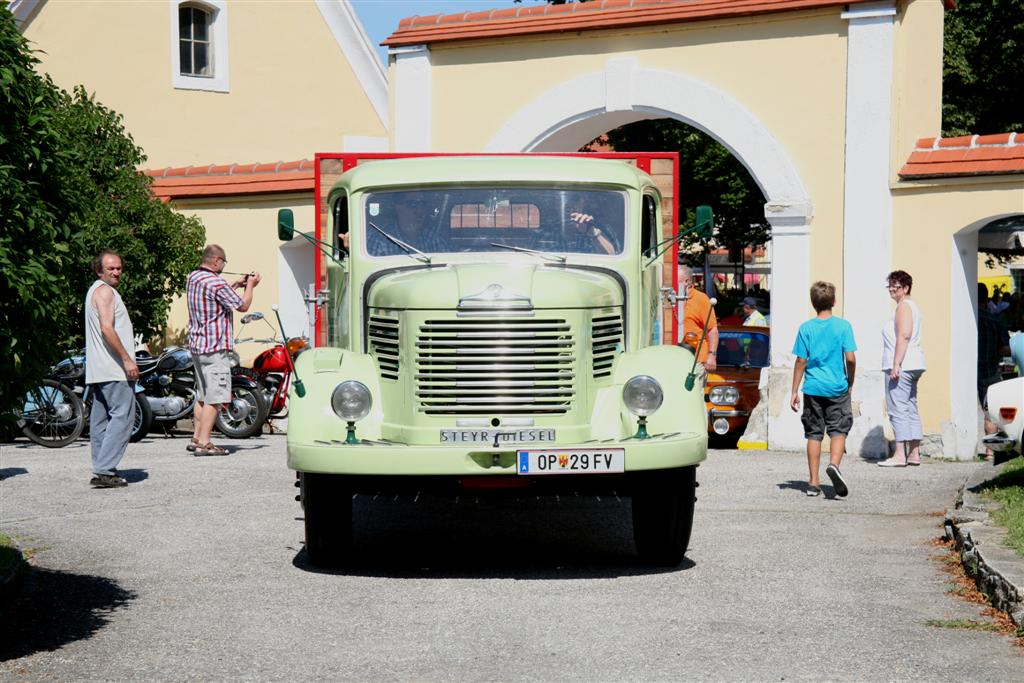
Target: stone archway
(960, 433)
(569, 115)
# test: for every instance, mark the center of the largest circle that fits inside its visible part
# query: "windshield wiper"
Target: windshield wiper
(407, 248)
(543, 254)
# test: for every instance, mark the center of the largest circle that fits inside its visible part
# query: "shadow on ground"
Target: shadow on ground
(55, 608)
(531, 540)
(8, 472)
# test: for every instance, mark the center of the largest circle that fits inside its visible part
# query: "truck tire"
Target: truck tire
(663, 514)
(327, 506)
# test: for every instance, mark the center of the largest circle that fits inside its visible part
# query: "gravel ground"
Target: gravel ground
(196, 571)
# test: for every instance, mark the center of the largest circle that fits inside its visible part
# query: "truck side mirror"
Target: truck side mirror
(285, 225)
(705, 224)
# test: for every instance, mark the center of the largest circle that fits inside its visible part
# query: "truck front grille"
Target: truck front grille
(606, 338)
(383, 335)
(495, 367)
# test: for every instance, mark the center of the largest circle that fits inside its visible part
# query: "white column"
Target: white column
(413, 98)
(867, 220)
(790, 286)
(960, 433)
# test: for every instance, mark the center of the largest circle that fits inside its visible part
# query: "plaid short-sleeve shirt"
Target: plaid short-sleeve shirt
(211, 305)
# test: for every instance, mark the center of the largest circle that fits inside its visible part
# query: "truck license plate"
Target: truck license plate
(490, 436)
(571, 461)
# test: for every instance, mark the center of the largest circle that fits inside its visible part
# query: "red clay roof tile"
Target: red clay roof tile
(967, 155)
(231, 179)
(590, 16)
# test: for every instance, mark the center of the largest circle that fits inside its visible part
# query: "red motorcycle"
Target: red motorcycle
(271, 369)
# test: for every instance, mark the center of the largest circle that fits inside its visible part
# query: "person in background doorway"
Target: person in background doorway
(698, 319)
(211, 305)
(110, 371)
(826, 361)
(903, 363)
(753, 317)
(993, 344)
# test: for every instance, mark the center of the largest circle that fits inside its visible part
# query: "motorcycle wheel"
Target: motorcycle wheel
(251, 423)
(51, 415)
(143, 418)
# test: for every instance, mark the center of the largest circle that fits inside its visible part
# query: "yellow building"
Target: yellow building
(833, 107)
(210, 81)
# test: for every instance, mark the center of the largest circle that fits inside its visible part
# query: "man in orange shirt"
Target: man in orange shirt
(696, 306)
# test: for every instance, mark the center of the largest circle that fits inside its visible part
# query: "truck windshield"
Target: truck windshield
(493, 219)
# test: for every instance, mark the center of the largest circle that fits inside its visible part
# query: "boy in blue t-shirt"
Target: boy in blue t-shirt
(824, 351)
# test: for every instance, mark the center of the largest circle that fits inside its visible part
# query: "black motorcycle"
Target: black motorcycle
(70, 374)
(169, 383)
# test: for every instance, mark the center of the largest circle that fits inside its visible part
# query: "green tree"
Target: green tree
(33, 233)
(114, 209)
(68, 188)
(708, 174)
(983, 68)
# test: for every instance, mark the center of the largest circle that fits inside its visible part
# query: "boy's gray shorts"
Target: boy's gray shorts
(831, 414)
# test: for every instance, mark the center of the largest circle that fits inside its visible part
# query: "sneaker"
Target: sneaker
(837, 481)
(813, 491)
(107, 481)
(895, 462)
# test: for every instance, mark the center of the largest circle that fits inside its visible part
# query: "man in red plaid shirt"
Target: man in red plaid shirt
(211, 306)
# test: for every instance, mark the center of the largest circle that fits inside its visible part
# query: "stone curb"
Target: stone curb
(998, 570)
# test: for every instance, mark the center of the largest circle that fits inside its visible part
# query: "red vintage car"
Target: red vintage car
(732, 389)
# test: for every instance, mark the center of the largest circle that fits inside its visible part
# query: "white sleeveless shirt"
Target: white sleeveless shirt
(914, 358)
(102, 364)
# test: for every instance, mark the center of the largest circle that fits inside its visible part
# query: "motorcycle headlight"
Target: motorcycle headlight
(351, 400)
(725, 395)
(642, 395)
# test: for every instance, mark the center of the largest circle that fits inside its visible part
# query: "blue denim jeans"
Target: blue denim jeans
(110, 423)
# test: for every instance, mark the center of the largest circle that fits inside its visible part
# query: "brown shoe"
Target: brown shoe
(193, 444)
(210, 449)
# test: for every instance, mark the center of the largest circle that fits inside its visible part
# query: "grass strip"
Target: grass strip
(1008, 490)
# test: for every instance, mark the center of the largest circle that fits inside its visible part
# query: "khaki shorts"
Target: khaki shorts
(213, 377)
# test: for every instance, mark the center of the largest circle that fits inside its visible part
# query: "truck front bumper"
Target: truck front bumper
(660, 451)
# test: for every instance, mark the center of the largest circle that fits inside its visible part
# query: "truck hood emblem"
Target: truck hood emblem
(494, 295)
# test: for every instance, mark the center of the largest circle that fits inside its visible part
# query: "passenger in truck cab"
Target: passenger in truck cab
(585, 236)
(407, 220)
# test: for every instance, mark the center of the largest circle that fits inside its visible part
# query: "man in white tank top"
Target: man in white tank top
(110, 370)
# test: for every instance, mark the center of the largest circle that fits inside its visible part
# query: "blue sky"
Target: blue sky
(380, 17)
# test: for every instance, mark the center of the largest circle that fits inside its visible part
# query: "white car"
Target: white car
(1006, 410)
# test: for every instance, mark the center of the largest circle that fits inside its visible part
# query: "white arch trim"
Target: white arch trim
(558, 119)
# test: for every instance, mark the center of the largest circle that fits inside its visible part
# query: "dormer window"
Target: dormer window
(194, 41)
(199, 45)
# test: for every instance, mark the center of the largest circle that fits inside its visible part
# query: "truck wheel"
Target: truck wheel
(327, 505)
(663, 514)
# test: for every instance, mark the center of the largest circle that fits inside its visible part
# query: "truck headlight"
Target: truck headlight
(351, 400)
(725, 395)
(642, 395)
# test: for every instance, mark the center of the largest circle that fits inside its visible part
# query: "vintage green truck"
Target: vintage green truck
(494, 323)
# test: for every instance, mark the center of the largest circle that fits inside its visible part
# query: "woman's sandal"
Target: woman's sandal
(210, 449)
(193, 444)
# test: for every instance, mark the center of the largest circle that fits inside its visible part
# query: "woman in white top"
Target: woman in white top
(903, 365)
